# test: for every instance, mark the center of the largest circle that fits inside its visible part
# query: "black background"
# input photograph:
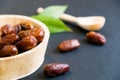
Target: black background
(88, 62)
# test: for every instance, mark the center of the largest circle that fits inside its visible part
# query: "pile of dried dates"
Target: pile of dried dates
(19, 38)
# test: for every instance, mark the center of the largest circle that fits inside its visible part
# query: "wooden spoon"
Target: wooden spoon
(90, 23)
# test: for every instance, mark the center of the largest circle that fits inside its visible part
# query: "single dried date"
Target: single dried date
(27, 43)
(95, 38)
(68, 45)
(26, 26)
(32, 32)
(36, 32)
(7, 29)
(55, 69)
(10, 38)
(8, 50)
(18, 28)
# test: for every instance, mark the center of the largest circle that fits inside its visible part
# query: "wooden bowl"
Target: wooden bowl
(23, 64)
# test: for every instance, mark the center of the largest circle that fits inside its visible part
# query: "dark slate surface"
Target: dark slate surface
(88, 62)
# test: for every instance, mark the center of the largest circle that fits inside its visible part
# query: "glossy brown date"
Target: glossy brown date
(7, 29)
(33, 32)
(18, 28)
(26, 26)
(68, 45)
(10, 38)
(95, 38)
(37, 32)
(27, 43)
(55, 69)
(8, 50)
(24, 36)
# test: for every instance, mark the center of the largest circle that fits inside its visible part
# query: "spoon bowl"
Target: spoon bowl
(92, 23)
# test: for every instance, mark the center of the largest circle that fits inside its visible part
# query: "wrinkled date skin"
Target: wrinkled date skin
(27, 43)
(55, 69)
(10, 38)
(37, 32)
(68, 45)
(26, 26)
(8, 50)
(95, 38)
(33, 32)
(7, 29)
(18, 28)
(23, 26)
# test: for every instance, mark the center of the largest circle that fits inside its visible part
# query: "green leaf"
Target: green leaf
(54, 11)
(54, 25)
(50, 17)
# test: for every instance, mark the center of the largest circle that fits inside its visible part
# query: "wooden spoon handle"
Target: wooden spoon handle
(68, 18)
(65, 17)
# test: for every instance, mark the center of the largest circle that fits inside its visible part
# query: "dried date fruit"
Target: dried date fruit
(40, 36)
(24, 36)
(32, 32)
(26, 26)
(10, 38)
(95, 38)
(27, 43)
(68, 45)
(8, 50)
(55, 69)
(37, 32)
(7, 29)
(18, 28)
